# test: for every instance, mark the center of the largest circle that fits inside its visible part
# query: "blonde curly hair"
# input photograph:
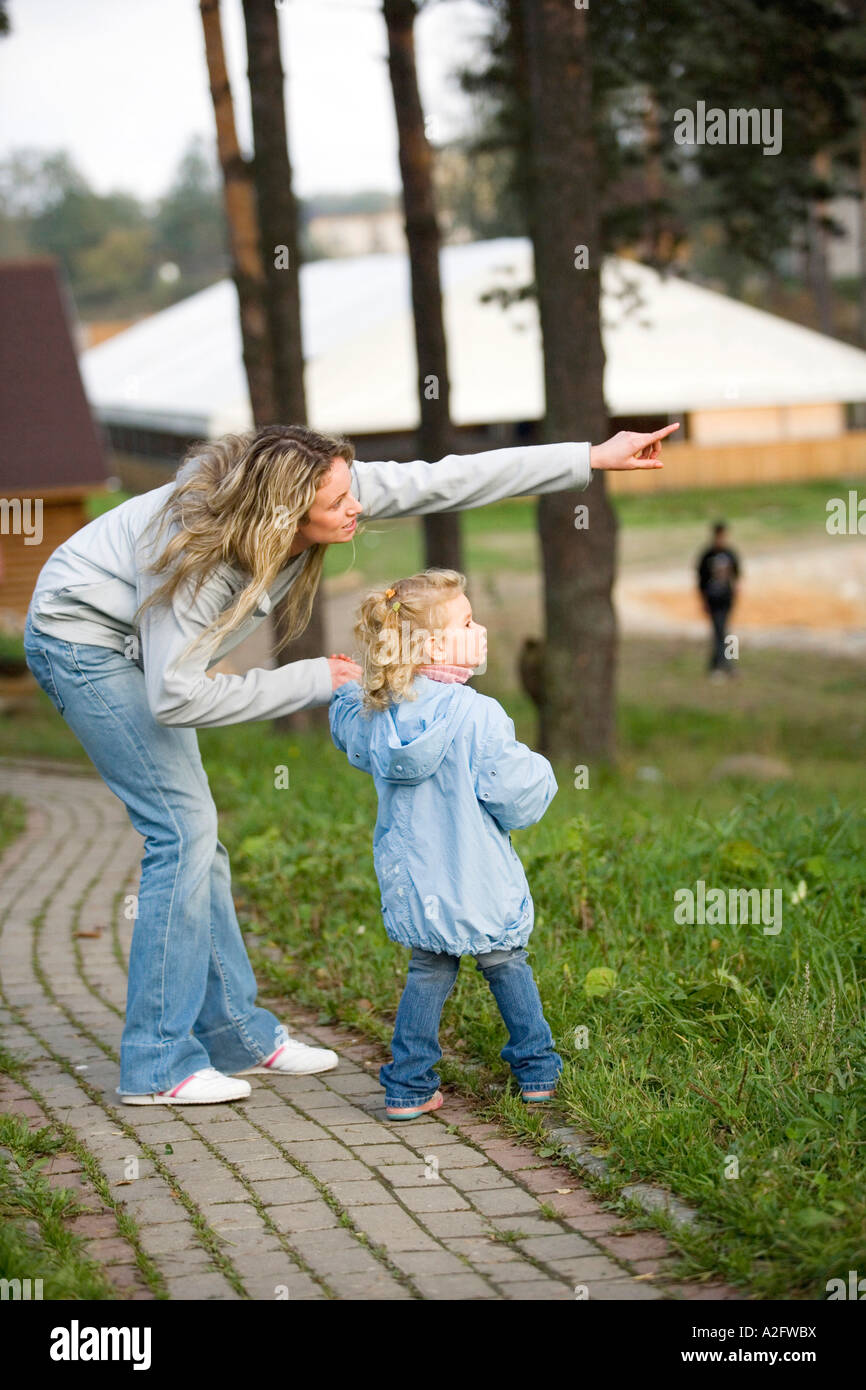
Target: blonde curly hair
(240, 499)
(392, 629)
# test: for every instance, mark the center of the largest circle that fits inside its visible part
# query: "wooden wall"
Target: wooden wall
(771, 424)
(62, 514)
(728, 465)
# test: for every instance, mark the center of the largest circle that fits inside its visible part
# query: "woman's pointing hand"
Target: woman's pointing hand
(629, 449)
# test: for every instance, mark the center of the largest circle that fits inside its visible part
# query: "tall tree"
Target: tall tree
(862, 219)
(594, 157)
(577, 709)
(805, 58)
(278, 216)
(441, 529)
(278, 233)
(239, 199)
(817, 253)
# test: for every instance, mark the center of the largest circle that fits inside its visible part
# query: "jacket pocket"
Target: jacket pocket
(509, 873)
(389, 863)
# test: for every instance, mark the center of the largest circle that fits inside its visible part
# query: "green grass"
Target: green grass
(40, 733)
(803, 708)
(35, 1240)
(12, 819)
(11, 646)
(716, 1043)
(776, 508)
(99, 502)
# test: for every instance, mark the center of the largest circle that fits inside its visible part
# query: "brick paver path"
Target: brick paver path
(305, 1190)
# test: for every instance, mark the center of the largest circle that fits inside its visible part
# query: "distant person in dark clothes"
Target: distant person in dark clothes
(718, 571)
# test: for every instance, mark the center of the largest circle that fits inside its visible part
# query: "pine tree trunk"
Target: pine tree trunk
(818, 262)
(278, 218)
(442, 529)
(239, 200)
(578, 706)
(862, 222)
(278, 221)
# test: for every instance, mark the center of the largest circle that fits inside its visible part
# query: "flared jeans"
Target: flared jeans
(191, 989)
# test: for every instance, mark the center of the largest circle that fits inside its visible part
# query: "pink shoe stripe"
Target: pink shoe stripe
(175, 1090)
(273, 1057)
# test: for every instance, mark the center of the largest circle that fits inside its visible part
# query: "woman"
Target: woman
(127, 617)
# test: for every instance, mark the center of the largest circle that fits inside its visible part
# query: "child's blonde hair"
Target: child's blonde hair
(391, 631)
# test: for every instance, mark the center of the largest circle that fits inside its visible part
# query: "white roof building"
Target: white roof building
(671, 347)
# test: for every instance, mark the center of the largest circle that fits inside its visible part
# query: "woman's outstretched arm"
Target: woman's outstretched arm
(461, 481)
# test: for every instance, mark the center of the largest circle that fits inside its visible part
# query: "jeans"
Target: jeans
(410, 1079)
(191, 991)
(719, 660)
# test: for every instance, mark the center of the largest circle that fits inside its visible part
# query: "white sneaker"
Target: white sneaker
(294, 1058)
(205, 1087)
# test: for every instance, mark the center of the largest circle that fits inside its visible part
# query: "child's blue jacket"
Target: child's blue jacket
(452, 782)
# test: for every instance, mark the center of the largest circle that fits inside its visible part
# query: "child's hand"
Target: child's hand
(343, 669)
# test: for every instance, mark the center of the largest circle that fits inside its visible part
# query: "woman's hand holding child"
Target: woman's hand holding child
(343, 669)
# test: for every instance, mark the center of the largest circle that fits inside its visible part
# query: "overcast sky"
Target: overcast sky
(122, 85)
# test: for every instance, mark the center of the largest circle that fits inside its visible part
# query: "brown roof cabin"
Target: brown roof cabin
(51, 450)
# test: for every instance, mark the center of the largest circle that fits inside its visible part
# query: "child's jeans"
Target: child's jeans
(410, 1079)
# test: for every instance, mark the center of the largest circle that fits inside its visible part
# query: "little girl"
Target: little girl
(452, 782)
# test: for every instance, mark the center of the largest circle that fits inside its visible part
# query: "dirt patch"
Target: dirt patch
(795, 606)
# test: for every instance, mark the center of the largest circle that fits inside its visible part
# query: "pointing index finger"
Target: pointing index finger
(661, 434)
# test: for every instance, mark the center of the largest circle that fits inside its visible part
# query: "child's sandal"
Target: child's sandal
(411, 1112)
(531, 1097)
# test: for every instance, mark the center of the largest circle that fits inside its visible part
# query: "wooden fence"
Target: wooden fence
(730, 465)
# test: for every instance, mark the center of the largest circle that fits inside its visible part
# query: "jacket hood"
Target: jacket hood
(408, 742)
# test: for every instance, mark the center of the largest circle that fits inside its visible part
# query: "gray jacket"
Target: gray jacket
(90, 587)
